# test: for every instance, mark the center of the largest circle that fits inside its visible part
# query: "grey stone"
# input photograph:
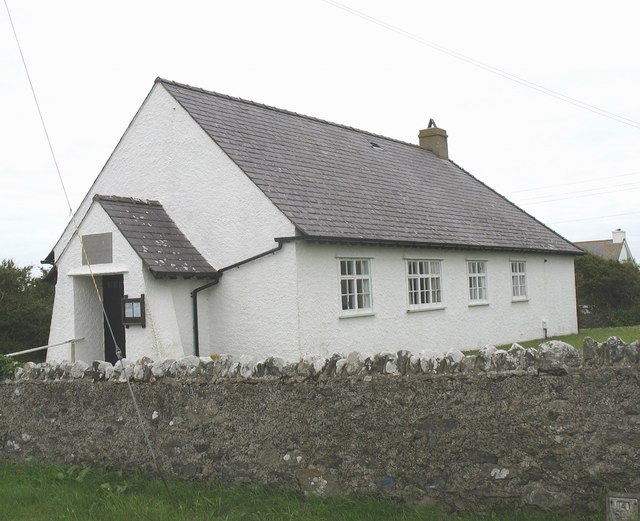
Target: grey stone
(160, 368)
(78, 368)
(430, 361)
(557, 354)
(310, 365)
(313, 482)
(186, 366)
(591, 354)
(468, 364)
(616, 348)
(142, 369)
(269, 368)
(452, 360)
(499, 361)
(516, 357)
(403, 362)
(531, 357)
(548, 499)
(30, 371)
(354, 364)
(484, 358)
(122, 370)
(632, 352)
(330, 368)
(247, 366)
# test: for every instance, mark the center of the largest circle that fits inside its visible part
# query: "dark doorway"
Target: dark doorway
(112, 294)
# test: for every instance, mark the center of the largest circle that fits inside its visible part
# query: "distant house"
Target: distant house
(615, 248)
(220, 225)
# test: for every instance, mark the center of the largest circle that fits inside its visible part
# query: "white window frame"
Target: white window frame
(424, 284)
(519, 291)
(354, 285)
(477, 282)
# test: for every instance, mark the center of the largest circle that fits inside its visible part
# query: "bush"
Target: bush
(607, 292)
(7, 367)
(26, 302)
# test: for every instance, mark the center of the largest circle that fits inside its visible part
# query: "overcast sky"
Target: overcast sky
(92, 64)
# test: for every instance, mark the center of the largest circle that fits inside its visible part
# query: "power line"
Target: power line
(595, 217)
(489, 68)
(581, 196)
(577, 193)
(584, 181)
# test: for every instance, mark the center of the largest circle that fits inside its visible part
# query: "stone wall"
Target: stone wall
(550, 428)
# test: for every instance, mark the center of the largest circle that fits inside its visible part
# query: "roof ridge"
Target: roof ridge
(285, 111)
(121, 199)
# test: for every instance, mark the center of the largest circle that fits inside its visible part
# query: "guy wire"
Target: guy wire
(86, 257)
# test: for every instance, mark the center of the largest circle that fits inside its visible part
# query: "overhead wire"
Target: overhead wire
(596, 217)
(489, 68)
(582, 181)
(601, 190)
(85, 255)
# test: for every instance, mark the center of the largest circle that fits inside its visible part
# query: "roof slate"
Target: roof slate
(605, 249)
(154, 236)
(331, 182)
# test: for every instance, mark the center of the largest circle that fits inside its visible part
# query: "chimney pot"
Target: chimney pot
(434, 139)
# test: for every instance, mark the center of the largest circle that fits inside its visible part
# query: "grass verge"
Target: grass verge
(37, 492)
(628, 334)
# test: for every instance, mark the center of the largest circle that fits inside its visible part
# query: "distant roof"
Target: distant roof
(155, 237)
(338, 183)
(605, 249)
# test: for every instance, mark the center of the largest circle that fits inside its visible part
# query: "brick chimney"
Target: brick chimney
(434, 139)
(618, 236)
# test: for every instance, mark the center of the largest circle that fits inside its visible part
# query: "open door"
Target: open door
(112, 294)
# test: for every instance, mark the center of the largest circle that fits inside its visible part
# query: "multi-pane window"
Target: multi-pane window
(424, 282)
(477, 271)
(519, 280)
(355, 285)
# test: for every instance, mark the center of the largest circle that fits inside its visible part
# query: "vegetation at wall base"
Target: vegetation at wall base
(26, 302)
(38, 492)
(7, 367)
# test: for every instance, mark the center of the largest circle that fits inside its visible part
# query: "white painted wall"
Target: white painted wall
(288, 303)
(458, 325)
(253, 311)
(164, 155)
(78, 314)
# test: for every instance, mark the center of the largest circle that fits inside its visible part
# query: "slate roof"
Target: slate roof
(154, 236)
(338, 183)
(605, 249)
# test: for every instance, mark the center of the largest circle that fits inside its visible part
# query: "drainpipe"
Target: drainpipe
(194, 293)
(194, 296)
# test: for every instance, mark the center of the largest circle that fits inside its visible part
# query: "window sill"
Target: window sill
(356, 314)
(479, 303)
(520, 299)
(425, 308)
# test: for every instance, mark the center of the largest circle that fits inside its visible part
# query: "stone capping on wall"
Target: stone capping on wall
(553, 358)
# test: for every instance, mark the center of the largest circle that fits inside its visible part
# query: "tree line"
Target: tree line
(607, 292)
(26, 302)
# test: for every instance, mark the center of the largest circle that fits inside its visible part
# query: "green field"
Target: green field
(628, 334)
(34, 492)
